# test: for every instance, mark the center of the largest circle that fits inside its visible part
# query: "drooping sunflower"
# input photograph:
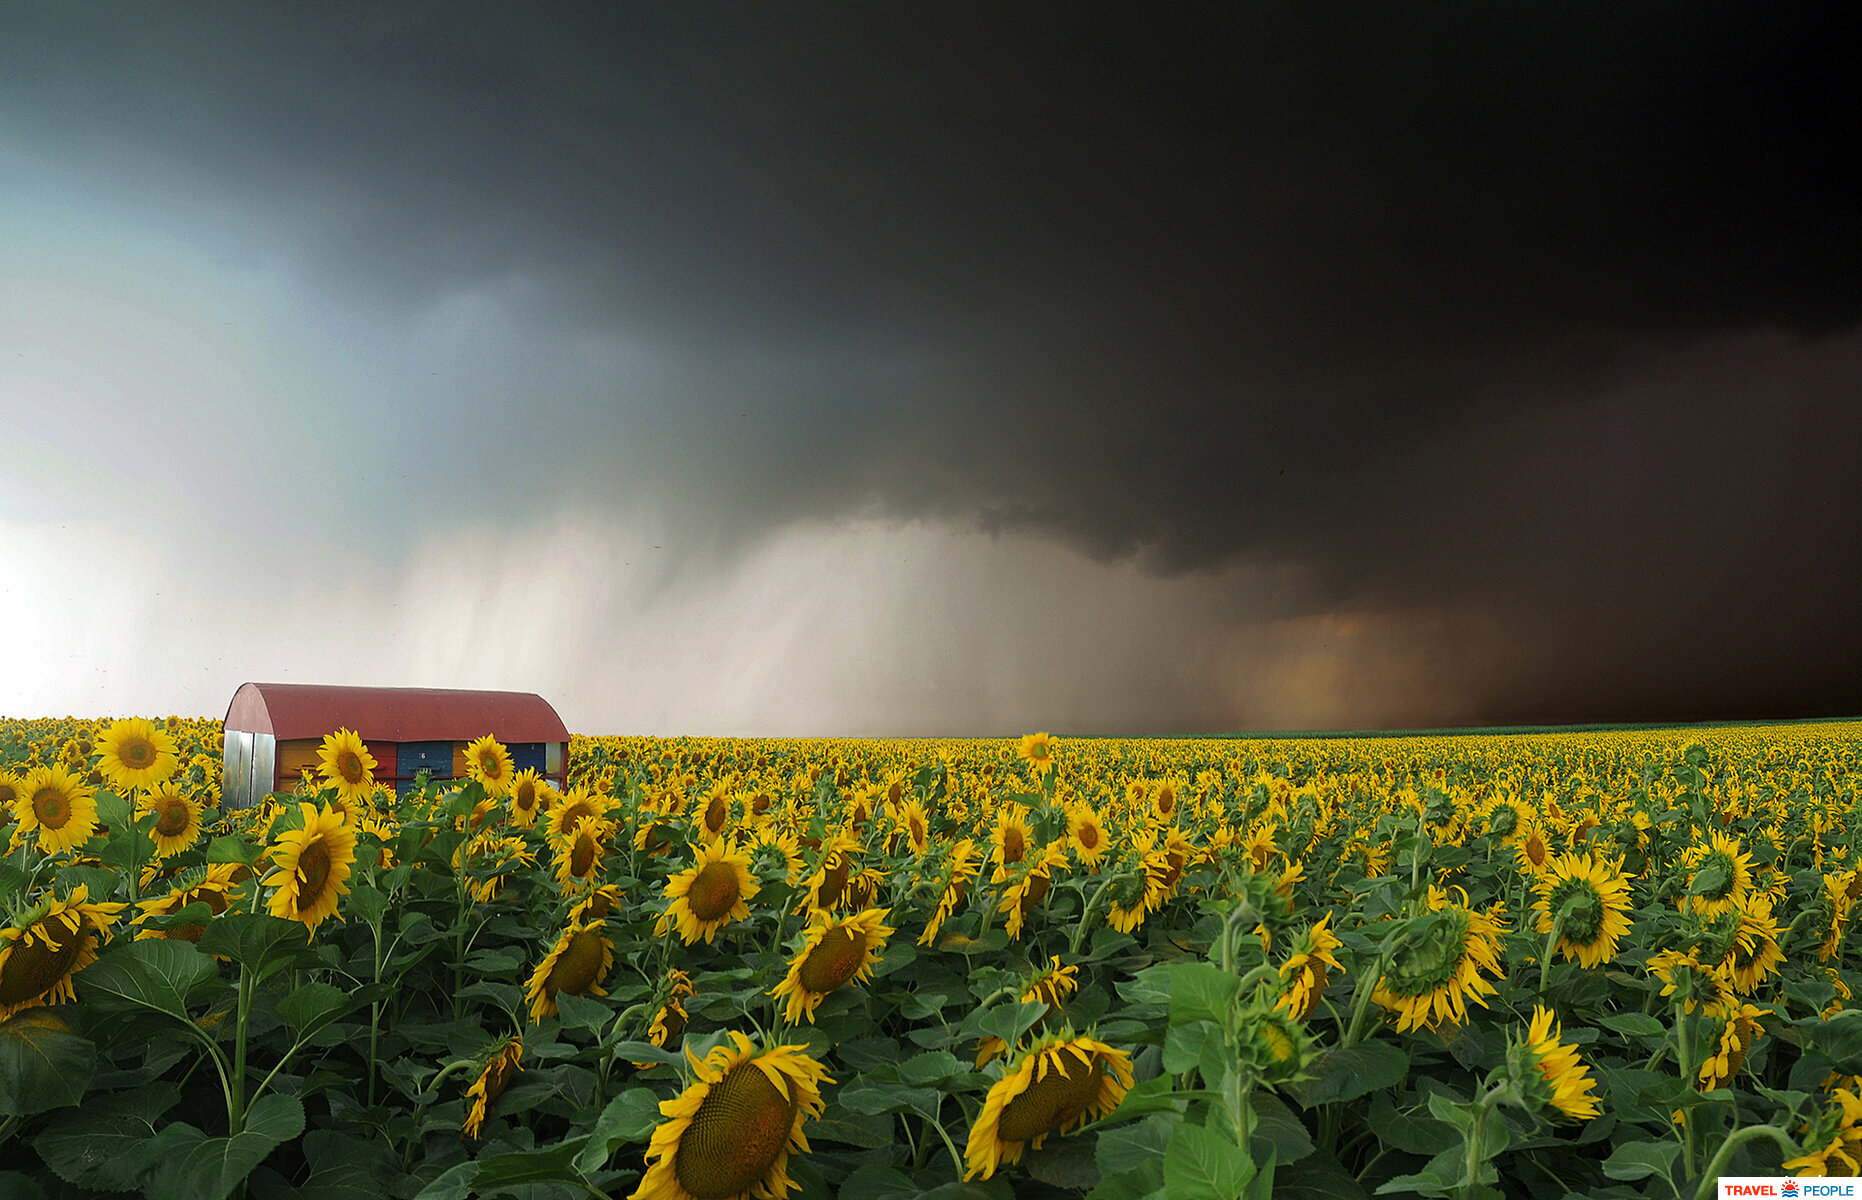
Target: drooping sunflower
(577, 965)
(1691, 982)
(709, 894)
(1303, 976)
(1061, 1081)
(490, 763)
(1038, 750)
(1720, 875)
(1740, 1030)
(579, 856)
(135, 753)
(669, 1023)
(1567, 1079)
(1086, 834)
(1835, 1135)
(1755, 955)
(177, 819)
(598, 904)
(46, 945)
(1030, 888)
(311, 867)
(213, 887)
(58, 807)
(1135, 894)
(963, 869)
(496, 1075)
(529, 796)
(835, 952)
(346, 764)
(1596, 893)
(826, 889)
(1439, 968)
(729, 1134)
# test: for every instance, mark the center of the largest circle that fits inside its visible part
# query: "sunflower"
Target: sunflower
(1438, 967)
(1008, 841)
(729, 1134)
(772, 846)
(1164, 802)
(1740, 1030)
(1086, 835)
(1020, 898)
(1721, 875)
(311, 866)
(177, 820)
(1593, 895)
(1061, 1081)
(1038, 751)
(964, 868)
(578, 856)
(1134, 895)
(213, 888)
(58, 806)
(917, 825)
(834, 953)
(577, 964)
(1567, 1080)
(597, 904)
(46, 945)
(1303, 976)
(1530, 849)
(1755, 955)
(136, 753)
(714, 813)
(490, 763)
(491, 1082)
(669, 1023)
(826, 889)
(709, 894)
(1837, 1134)
(1693, 983)
(578, 806)
(529, 796)
(346, 764)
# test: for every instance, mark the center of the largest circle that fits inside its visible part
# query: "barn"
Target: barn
(273, 731)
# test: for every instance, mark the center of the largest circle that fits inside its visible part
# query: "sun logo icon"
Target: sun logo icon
(1789, 1189)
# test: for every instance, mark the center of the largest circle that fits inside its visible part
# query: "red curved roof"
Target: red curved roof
(309, 710)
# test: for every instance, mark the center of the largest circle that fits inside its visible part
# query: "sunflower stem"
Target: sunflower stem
(1734, 1140)
(236, 1092)
(948, 1145)
(1684, 1053)
(1086, 916)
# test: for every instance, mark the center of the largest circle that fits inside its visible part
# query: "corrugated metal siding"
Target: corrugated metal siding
(236, 770)
(264, 757)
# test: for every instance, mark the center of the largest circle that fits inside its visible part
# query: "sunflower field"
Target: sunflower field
(1611, 964)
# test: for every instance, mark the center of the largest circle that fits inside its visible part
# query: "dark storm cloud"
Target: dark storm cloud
(1543, 310)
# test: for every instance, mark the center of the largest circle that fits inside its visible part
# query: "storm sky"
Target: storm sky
(946, 369)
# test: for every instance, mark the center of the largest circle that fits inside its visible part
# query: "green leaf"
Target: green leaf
(193, 1166)
(1200, 1164)
(930, 1068)
(104, 1145)
(1318, 1177)
(865, 1096)
(1127, 1148)
(874, 1182)
(312, 1006)
(1200, 991)
(366, 904)
(262, 943)
(20, 1187)
(1183, 1045)
(1010, 1021)
(547, 1164)
(583, 1012)
(1442, 1175)
(236, 849)
(1639, 1160)
(43, 1065)
(629, 1117)
(1351, 1072)
(160, 974)
(13, 881)
(1633, 1024)
(1279, 1130)
(454, 1184)
(1423, 1136)
(1062, 1163)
